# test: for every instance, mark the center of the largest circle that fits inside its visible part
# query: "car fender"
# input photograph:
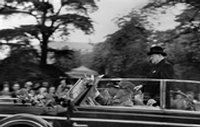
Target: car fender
(27, 120)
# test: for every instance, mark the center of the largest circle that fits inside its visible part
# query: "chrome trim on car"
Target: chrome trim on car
(130, 79)
(21, 121)
(43, 117)
(147, 79)
(163, 96)
(113, 120)
(135, 122)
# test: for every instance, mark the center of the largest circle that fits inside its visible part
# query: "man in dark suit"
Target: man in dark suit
(162, 70)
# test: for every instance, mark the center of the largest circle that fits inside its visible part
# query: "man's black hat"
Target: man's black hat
(156, 50)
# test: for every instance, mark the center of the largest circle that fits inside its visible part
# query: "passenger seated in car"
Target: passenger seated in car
(190, 95)
(139, 99)
(117, 94)
(125, 93)
(108, 95)
(181, 101)
(110, 90)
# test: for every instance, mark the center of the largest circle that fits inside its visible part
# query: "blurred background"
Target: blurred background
(43, 40)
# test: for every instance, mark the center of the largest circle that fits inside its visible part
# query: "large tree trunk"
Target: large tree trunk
(44, 50)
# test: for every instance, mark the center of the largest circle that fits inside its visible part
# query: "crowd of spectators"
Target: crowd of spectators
(38, 93)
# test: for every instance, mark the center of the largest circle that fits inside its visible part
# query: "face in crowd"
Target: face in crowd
(16, 87)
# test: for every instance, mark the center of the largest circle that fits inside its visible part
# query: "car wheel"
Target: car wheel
(24, 120)
(21, 125)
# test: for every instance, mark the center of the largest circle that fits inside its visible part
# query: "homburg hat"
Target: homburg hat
(156, 50)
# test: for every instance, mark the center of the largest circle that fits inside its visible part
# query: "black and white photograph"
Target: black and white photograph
(99, 63)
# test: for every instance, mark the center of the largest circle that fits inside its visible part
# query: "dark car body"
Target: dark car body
(178, 106)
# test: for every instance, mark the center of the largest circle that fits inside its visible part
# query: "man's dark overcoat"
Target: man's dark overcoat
(163, 70)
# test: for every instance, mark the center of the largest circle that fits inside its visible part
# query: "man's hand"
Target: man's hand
(137, 88)
(139, 98)
(151, 102)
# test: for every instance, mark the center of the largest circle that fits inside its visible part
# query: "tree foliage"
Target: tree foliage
(183, 41)
(22, 64)
(49, 20)
(66, 62)
(123, 54)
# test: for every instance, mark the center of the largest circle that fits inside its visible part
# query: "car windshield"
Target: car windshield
(77, 89)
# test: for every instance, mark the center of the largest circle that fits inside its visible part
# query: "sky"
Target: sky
(103, 19)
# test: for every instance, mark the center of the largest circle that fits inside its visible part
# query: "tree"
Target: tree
(9, 34)
(19, 65)
(183, 42)
(123, 54)
(66, 59)
(49, 20)
(99, 57)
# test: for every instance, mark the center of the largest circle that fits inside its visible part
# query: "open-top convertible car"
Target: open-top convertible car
(117, 102)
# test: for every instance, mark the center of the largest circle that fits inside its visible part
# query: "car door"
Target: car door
(118, 116)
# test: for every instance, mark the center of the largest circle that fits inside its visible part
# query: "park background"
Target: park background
(41, 40)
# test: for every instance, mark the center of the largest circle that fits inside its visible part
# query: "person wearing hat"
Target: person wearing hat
(162, 70)
(180, 100)
(118, 94)
(111, 90)
(125, 94)
(107, 97)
